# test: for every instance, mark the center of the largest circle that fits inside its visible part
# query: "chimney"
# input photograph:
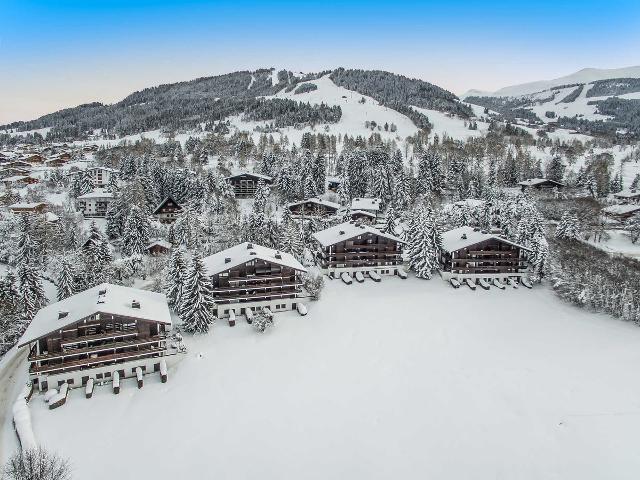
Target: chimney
(278, 255)
(227, 260)
(249, 246)
(62, 314)
(252, 253)
(464, 236)
(135, 304)
(341, 232)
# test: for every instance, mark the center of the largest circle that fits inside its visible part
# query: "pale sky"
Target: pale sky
(60, 54)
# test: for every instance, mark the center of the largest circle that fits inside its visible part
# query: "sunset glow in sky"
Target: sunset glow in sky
(60, 54)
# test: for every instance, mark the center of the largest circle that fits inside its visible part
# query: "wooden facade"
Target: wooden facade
(313, 208)
(250, 276)
(167, 211)
(540, 184)
(352, 247)
(244, 184)
(477, 254)
(98, 340)
(96, 333)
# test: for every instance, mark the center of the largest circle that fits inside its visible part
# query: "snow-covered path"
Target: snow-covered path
(401, 379)
(12, 377)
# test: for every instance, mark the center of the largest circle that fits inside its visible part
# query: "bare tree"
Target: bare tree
(36, 464)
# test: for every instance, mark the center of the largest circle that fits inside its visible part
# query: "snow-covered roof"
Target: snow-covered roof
(627, 194)
(104, 169)
(27, 206)
(97, 193)
(15, 178)
(470, 202)
(161, 204)
(347, 230)
(159, 243)
(317, 201)
(105, 298)
(251, 174)
(532, 182)
(363, 212)
(372, 204)
(51, 217)
(245, 252)
(621, 209)
(463, 237)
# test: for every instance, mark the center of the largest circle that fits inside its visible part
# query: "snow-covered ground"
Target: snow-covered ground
(452, 126)
(619, 242)
(401, 379)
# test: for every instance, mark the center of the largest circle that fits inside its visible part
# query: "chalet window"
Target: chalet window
(225, 274)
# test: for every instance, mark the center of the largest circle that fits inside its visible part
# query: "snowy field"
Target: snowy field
(402, 379)
(619, 242)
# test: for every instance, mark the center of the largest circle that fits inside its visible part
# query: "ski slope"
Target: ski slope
(401, 379)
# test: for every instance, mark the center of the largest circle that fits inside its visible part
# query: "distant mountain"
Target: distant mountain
(591, 101)
(251, 95)
(586, 75)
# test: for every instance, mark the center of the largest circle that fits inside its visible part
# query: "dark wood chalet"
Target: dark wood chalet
(245, 184)
(159, 247)
(471, 253)
(313, 207)
(167, 211)
(540, 184)
(362, 216)
(95, 333)
(250, 276)
(355, 247)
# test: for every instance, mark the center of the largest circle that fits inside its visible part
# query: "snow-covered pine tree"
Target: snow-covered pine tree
(633, 227)
(424, 242)
(135, 236)
(30, 290)
(67, 278)
(568, 228)
(260, 197)
(390, 221)
(175, 277)
(538, 257)
(196, 308)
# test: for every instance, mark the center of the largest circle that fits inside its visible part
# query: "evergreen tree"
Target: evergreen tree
(67, 278)
(568, 227)
(135, 236)
(424, 242)
(390, 221)
(538, 257)
(175, 278)
(196, 307)
(30, 291)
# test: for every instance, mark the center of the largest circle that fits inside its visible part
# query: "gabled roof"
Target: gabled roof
(104, 298)
(251, 174)
(346, 231)
(27, 206)
(627, 194)
(362, 212)
(532, 182)
(366, 204)
(107, 169)
(97, 193)
(464, 237)
(317, 201)
(163, 202)
(245, 252)
(159, 243)
(15, 178)
(621, 209)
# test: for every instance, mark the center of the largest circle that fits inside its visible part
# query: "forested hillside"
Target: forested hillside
(200, 102)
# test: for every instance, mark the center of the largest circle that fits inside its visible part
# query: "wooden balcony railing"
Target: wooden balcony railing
(100, 348)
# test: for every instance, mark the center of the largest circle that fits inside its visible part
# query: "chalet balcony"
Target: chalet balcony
(71, 352)
(255, 296)
(488, 270)
(92, 362)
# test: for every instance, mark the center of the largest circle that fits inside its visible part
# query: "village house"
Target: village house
(13, 172)
(33, 159)
(101, 176)
(313, 207)
(355, 247)
(95, 333)
(252, 277)
(36, 207)
(469, 252)
(371, 205)
(363, 216)
(627, 196)
(159, 247)
(540, 184)
(19, 181)
(167, 211)
(244, 184)
(95, 204)
(621, 212)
